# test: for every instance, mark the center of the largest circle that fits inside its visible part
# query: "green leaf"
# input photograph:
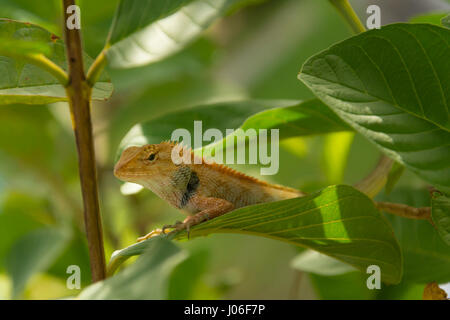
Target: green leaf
(292, 118)
(146, 31)
(134, 15)
(445, 21)
(338, 221)
(426, 256)
(318, 263)
(26, 83)
(34, 253)
(17, 218)
(440, 214)
(187, 274)
(392, 86)
(148, 278)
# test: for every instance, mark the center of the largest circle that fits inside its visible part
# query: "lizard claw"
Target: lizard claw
(171, 226)
(177, 226)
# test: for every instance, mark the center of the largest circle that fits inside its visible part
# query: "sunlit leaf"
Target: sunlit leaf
(318, 263)
(146, 31)
(392, 86)
(336, 148)
(292, 118)
(338, 221)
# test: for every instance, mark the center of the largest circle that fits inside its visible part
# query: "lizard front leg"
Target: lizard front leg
(209, 208)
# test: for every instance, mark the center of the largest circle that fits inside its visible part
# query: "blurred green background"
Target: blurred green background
(255, 51)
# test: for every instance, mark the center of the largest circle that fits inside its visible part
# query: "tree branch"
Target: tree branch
(79, 94)
(346, 10)
(405, 211)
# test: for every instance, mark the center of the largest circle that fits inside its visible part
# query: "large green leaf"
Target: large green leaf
(338, 221)
(292, 118)
(146, 31)
(426, 256)
(392, 86)
(23, 82)
(34, 253)
(148, 278)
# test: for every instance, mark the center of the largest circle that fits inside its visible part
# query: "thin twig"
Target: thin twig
(405, 211)
(43, 62)
(377, 178)
(79, 94)
(346, 10)
(96, 68)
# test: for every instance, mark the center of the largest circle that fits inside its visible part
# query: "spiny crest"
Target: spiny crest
(216, 166)
(225, 169)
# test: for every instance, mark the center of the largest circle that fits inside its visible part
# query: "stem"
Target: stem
(405, 211)
(79, 94)
(96, 68)
(375, 181)
(346, 10)
(43, 62)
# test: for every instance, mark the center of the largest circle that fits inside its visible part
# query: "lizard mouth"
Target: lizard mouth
(128, 176)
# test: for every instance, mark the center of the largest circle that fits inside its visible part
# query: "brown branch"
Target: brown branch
(79, 94)
(405, 211)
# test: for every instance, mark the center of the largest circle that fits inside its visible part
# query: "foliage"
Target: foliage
(224, 62)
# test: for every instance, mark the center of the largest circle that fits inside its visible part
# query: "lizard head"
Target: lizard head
(149, 162)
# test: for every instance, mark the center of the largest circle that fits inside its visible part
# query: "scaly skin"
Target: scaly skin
(204, 191)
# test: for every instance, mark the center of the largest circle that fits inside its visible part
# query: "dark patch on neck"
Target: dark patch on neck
(191, 187)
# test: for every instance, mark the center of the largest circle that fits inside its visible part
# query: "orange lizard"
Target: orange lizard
(204, 191)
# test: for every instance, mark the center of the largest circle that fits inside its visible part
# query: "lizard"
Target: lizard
(203, 189)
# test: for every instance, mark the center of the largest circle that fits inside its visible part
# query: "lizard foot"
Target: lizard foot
(190, 222)
(152, 234)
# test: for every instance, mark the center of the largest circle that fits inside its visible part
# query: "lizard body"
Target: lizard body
(204, 190)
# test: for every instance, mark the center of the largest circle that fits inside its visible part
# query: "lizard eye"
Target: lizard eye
(151, 157)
